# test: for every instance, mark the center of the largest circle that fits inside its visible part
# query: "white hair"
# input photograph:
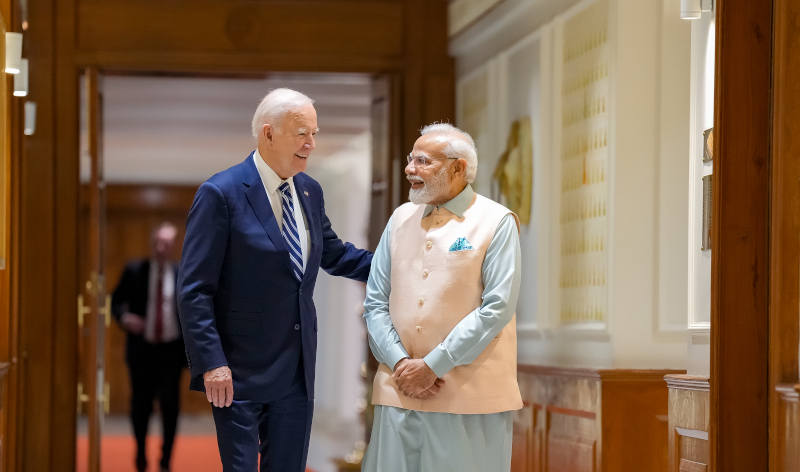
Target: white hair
(459, 145)
(275, 105)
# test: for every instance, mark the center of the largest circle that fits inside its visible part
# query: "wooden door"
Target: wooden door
(93, 301)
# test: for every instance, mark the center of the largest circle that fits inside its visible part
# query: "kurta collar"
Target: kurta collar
(457, 205)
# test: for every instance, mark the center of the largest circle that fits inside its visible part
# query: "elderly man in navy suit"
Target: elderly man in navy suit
(256, 236)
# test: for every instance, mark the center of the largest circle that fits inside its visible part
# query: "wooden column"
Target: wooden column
(740, 267)
(785, 241)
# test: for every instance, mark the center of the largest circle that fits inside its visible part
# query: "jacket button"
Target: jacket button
(428, 244)
(300, 291)
(421, 301)
(419, 328)
(297, 326)
(425, 274)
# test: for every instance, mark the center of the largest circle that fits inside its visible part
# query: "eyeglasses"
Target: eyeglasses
(424, 161)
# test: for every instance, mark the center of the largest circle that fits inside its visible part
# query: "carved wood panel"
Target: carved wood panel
(689, 448)
(787, 434)
(580, 423)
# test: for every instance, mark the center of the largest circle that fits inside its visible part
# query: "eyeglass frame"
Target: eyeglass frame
(417, 163)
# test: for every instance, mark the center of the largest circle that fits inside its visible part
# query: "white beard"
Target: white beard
(430, 190)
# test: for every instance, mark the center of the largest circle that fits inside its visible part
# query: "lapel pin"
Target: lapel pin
(305, 192)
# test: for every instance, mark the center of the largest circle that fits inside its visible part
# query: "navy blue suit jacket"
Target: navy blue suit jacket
(239, 303)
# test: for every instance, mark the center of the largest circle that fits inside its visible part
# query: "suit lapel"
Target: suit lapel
(257, 198)
(305, 196)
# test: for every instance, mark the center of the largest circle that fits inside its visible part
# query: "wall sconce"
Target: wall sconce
(693, 9)
(30, 118)
(13, 52)
(21, 80)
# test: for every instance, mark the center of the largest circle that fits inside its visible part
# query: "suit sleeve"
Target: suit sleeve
(204, 250)
(340, 258)
(121, 297)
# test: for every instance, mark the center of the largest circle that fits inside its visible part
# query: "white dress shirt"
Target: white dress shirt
(169, 323)
(271, 182)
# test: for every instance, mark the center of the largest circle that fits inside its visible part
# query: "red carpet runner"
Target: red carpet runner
(191, 454)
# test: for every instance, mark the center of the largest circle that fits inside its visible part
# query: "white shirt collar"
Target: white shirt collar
(269, 177)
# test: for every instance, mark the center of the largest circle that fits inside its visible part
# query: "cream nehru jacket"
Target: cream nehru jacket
(432, 288)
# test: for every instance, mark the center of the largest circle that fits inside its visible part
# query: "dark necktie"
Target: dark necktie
(289, 231)
(158, 325)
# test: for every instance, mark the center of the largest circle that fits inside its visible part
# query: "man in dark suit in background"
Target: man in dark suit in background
(256, 237)
(145, 305)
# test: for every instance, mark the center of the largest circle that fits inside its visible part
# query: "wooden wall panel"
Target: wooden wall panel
(595, 420)
(39, 313)
(635, 414)
(242, 26)
(688, 423)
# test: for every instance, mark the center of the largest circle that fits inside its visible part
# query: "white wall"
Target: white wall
(649, 175)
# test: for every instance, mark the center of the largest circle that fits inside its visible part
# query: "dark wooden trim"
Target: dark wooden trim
(687, 382)
(571, 412)
(39, 309)
(607, 375)
(636, 375)
(14, 426)
(740, 238)
(235, 63)
(785, 218)
(64, 121)
(558, 371)
(166, 198)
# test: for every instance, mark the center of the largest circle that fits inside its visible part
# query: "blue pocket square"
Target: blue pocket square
(461, 244)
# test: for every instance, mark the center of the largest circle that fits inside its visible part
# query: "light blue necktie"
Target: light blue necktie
(289, 231)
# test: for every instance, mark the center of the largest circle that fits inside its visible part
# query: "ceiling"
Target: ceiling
(181, 130)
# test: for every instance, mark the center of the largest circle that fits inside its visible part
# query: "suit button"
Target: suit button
(428, 244)
(419, 328)
(300, 291)
(421, 301)
(297, 326)
(425, 274)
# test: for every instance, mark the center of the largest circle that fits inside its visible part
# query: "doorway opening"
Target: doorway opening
(147, 142)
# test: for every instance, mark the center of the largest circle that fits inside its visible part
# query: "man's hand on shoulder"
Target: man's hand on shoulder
(219, 386)
(132, 323)
(415, 379)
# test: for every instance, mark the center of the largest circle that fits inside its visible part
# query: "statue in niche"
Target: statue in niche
(512, 181)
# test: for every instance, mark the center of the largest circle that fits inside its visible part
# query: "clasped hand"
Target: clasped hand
(415, 379)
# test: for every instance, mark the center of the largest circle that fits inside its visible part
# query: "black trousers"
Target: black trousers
(155, 372)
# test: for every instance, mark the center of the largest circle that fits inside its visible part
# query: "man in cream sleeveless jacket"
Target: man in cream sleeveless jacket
(440, 308)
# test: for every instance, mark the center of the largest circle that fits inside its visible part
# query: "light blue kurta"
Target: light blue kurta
(412, 441)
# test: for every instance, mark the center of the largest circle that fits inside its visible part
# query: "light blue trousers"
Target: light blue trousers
(417, 441)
